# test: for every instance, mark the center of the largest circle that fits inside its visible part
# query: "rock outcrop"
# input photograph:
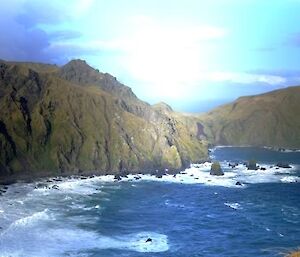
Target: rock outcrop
(216, 169)
(77, 120)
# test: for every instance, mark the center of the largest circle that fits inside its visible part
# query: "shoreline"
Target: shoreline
(28, 177)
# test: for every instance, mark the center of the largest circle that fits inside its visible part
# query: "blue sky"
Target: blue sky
(192, 54)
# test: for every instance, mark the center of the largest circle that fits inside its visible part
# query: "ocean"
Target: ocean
(191, 214)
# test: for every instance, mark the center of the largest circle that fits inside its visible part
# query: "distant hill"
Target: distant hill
(77, 120)
(271, 119)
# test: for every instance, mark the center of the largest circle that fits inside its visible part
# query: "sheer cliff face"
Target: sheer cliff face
(271, 119)
(75, 119)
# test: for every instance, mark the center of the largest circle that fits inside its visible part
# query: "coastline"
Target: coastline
(28, 177)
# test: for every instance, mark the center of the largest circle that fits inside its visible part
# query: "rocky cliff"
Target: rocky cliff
(75, 119)
(271, 119)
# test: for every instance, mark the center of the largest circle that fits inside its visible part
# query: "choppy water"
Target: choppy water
(192, 214)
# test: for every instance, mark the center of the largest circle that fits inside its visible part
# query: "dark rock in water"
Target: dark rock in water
(174, 176)
(41, 185)
(263, 168)
(252, 165)
(238, 183)
(159, 175)
(183, 173)
(57, 179)
(233, 165)
(117, 177)
(7, 182)
(137, 177)
(55, 187)
(83, 177)
(283, 165)
(216, 169)
(149, 240)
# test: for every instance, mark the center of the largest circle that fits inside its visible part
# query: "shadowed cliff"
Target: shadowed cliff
(75, 119)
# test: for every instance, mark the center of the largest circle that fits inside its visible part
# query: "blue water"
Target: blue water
(186, 220)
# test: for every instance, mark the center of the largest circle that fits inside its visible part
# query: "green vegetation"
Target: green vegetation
(216, 169)
(270, 119)
(74, 119)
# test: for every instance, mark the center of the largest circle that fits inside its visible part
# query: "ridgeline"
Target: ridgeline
(76, 120)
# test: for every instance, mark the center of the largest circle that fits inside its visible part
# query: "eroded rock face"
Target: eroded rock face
(75, 119)
(216, 169)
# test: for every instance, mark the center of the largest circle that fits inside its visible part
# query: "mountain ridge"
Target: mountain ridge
(269, 119)
(50, 125)
(75, 119)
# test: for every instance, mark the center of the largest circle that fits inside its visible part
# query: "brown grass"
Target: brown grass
(294, 254)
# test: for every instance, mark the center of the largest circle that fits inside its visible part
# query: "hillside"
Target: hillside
(271, 119)
(76, 120)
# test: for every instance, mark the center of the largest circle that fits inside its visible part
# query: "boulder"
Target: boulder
(55, 187)
(238, 183)
(149, 240)
(232, 165)
(117, 177)
(252, 165)
(216, 169)
(283, 165)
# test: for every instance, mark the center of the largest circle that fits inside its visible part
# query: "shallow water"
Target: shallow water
(192, 214)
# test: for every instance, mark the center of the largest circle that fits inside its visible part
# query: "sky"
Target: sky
(191, 54)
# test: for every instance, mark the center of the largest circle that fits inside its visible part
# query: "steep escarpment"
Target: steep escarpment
(74, 119)
(271, 119)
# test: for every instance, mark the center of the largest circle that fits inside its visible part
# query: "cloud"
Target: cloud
(245, 78)
(23, 37)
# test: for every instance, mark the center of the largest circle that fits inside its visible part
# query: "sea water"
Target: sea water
(190, 214)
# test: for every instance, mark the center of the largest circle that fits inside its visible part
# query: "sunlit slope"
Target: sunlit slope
(52, 123)
(271, 119)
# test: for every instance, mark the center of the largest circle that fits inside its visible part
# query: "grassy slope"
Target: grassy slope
(62, 127)
(271, 119)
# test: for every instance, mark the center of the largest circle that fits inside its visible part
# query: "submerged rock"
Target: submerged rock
(216, 169)
(283, 165)
(117, 177)
(55, 187)
(233, 165)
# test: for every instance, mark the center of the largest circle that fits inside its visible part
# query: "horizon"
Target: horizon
(193, 55)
